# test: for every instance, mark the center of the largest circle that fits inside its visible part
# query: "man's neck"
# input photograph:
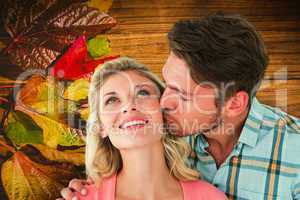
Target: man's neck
(222, 140)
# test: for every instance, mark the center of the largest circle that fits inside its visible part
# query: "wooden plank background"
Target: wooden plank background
(143, 25)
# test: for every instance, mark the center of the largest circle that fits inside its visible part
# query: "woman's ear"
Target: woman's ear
(98, 128)
(102, 131)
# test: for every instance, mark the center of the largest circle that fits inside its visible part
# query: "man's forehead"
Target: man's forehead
(175, 75)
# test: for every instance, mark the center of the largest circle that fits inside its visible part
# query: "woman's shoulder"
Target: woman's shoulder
(201, 190)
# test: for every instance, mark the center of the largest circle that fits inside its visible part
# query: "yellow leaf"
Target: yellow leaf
(23, 178)
(77, 90)
(54, 109)
(75, 157)
(55, 133)
(84, 113)
(45, 96)
(102, 5)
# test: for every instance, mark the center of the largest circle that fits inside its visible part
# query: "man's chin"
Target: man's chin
(177, 132)
(183, 133)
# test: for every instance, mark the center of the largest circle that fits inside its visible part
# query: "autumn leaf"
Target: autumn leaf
(69, 66)
(102, 5)
(77, 90)
(39, 30)
(98, 46)
(84, 113)
(45, 96)
(21, 129)
(75, 63)
(23, 178)
(75, 157)
(54, 132)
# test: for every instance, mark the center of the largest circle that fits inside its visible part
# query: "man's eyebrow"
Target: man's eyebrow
(176, 89)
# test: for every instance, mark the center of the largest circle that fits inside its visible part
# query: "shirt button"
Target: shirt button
(281, 123)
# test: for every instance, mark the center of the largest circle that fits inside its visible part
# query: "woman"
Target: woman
(128, 154)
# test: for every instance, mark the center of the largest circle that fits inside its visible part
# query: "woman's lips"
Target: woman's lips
(134, 124)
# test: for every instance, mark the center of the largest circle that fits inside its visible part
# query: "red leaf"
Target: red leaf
(69, 65)
(74, 64)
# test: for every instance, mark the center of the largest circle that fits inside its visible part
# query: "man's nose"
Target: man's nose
(168, 101)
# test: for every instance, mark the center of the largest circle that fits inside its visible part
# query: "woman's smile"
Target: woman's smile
(134, 123)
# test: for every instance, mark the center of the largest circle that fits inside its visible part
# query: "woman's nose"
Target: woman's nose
(126, 110)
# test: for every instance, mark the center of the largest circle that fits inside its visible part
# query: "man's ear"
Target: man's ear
(237, 104)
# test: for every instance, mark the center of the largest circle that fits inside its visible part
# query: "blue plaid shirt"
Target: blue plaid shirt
(265, 163)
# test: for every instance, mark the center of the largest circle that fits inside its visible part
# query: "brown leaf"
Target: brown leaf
(41, 29)
(23, 178)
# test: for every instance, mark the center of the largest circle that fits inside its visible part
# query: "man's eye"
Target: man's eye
(183, 98)
(143, 93)
(111, 100)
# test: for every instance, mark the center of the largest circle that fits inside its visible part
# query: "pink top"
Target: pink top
(192, 190)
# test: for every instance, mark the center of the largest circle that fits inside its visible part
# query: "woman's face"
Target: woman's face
(130, 111)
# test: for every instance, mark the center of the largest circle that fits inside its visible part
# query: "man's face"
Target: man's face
(190, 107)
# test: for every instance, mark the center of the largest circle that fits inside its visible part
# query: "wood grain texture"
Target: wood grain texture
(143, 25)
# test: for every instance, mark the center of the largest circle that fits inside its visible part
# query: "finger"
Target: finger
(67, 193)
(79, 186)
(60, 199)
(89, 181)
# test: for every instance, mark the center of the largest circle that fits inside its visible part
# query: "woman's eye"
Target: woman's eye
(143, 93)
(111, 100)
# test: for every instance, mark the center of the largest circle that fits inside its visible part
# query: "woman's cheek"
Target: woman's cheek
(148, 105)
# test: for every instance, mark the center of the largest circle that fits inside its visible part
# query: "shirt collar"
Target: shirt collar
(252, 126)
(250, 131)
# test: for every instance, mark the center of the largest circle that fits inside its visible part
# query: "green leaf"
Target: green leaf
(56, 133)
(21, 129)
(98, 46)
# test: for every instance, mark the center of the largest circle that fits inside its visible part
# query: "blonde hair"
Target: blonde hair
(102, 158)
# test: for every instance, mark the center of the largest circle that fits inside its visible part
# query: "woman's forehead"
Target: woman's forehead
(126, 80)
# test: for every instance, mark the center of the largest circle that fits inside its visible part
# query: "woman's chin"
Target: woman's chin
(135, 140)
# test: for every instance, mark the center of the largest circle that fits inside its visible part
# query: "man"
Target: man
(246, 149)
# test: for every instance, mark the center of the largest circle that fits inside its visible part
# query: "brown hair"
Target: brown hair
(221, 49)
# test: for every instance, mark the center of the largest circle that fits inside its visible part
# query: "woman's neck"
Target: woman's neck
(145, 173)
